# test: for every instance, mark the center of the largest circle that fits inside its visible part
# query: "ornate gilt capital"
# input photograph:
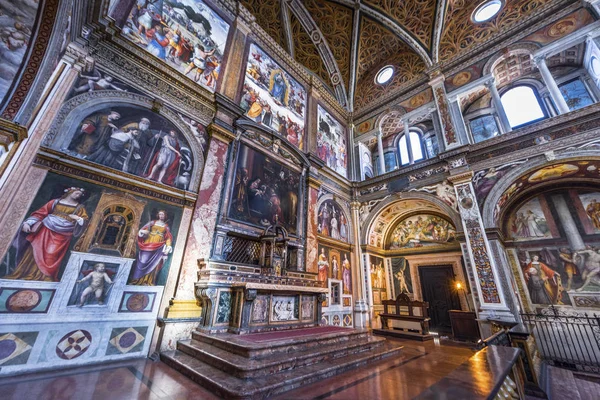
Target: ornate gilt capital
(461, 178)
(220, 133)
(11, 132)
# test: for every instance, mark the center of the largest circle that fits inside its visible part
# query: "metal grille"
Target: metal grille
(566, 340)
(243, 251)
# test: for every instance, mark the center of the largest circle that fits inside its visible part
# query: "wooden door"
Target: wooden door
(437, 285)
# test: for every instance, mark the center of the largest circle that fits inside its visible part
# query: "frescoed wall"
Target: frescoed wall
(401, 276)
(422, 230)
(332, 142)
(334, 266)
(69, 215)
(186, 34)
(264, 191)
(16, 29)
(271, 97)
(87, 265)
(378, 279)
(332, 221)
(555, 242)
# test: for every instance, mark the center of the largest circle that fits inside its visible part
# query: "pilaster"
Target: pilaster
(449, 134)
(489, 285)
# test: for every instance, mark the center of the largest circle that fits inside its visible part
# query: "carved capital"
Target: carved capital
(11, 132)
(461, 178)
(220, 133)
(251, 294)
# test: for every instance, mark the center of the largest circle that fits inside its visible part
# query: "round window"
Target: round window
(384, 75)
(486, 11)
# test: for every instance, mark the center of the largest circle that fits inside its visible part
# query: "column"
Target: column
(380, 151)
(595, 4)
(549, 105)
(504, 123)
(411, 159)
(361, 308)
(451, 139)
(568, 223)
(555, 93)
(458, 121)
(485, 270)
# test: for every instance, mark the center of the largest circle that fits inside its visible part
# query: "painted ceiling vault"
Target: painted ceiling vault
(344, 43)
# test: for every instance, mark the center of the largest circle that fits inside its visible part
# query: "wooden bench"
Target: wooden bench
(408, 318)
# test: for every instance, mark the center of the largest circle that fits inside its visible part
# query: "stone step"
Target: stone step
(231, 387)
(238, 345)
(243, 367)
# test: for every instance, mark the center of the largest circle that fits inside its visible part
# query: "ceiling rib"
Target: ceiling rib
(437, 33)
(310, 26)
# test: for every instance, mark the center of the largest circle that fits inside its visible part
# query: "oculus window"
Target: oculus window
(486, 11)
(522, 106)
(384, 75)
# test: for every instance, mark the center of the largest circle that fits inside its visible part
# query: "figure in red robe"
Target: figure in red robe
(45, 237)
(166, 161)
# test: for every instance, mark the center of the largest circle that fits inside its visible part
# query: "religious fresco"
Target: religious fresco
(331, 142)
(484, 180)
(16, 25)
(420, 231)
(133, 140)
(555, 237)
(401, 276)
(69, 215)
(532, 221)
(332, 222)
(378, 279)
(335, 264)
(264, 191)
(550, 173)
(187, 34)
(271, 97)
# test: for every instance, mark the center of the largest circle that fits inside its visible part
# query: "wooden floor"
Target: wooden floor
(404, 377)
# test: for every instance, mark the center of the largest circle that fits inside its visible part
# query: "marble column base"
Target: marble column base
(361, 314)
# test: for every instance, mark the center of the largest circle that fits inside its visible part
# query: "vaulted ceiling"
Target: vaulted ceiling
(346, 42)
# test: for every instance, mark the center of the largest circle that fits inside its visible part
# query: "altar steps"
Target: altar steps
(288, 366)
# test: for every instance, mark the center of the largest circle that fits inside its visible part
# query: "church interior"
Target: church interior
(300, 199)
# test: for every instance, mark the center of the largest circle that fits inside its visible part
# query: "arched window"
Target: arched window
(522, 106)
(420, 147)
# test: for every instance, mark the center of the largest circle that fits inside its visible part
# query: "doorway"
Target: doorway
(437, 285)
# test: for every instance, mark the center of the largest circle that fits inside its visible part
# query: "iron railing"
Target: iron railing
(567, 340)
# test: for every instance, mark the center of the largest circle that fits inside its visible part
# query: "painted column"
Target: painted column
(312, 245)
(504, 123)
(443, 111)
(595, 4)
(568, 223)
(488, 285)
(203, 222)
(380, 152)
(407, 135)
(555, 93)
(235, 62)
(458, 121)
(361, 308)
(549, 105)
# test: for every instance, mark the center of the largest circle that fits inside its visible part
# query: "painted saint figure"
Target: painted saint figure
(543, 282)
(166, 160)
(323, 266)
(593, 211)
(155, 243)
(335, 268)
(94, 131)
(347, 275)
(45, 237)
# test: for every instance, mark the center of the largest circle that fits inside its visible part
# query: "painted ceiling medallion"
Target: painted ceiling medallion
(384, 75)
(486, 11)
